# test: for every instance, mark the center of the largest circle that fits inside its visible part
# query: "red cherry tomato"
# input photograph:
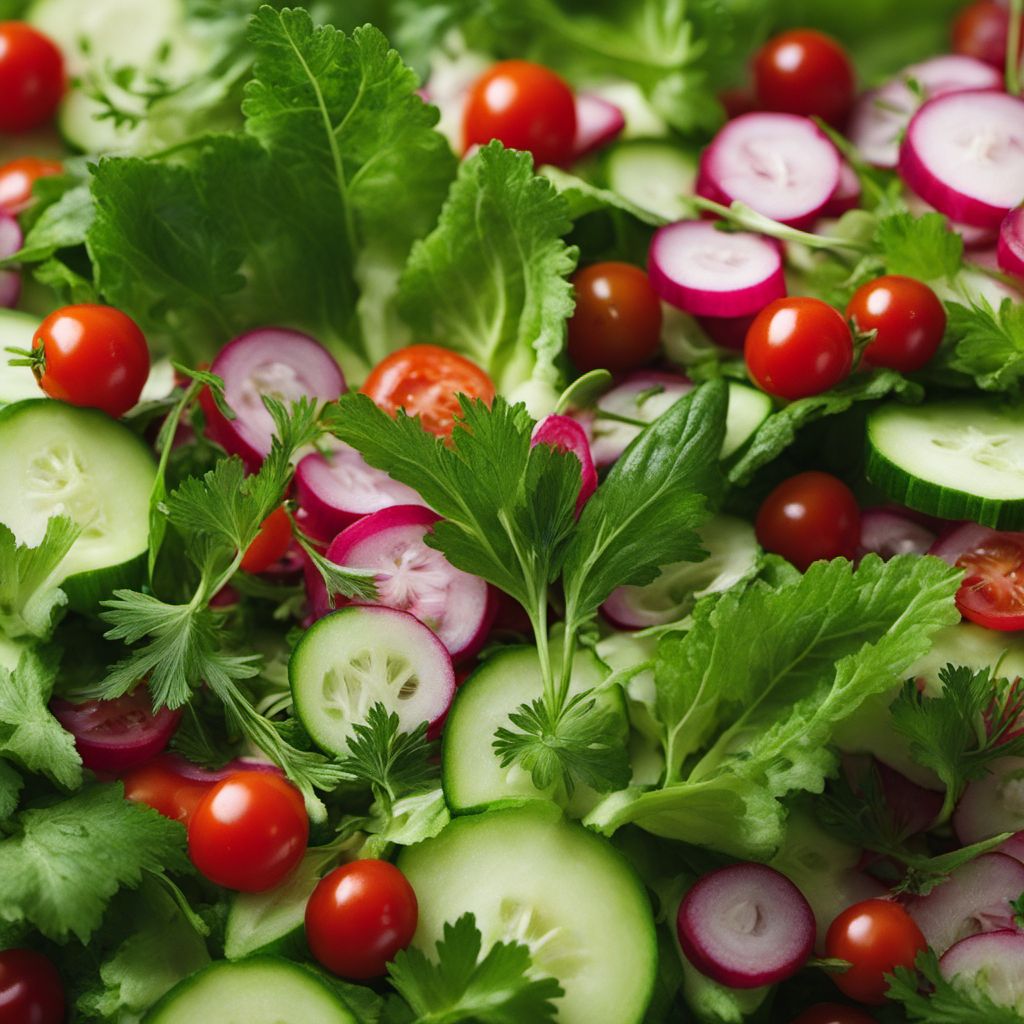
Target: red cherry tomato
(617, 322)
(92, 356)
(119, 734)
(424, 380)
(31, 77)
(805, 72)
(163, 785)
(270, 544)
(798, 347)
(17, 179)
(738, 100)
(992, 593)
(30, 989)
(524, 106)
(908, 316)
(833, 1013)
(876, 937)
(249, 832)
(982, 30)
(808, 517)
(359, 917)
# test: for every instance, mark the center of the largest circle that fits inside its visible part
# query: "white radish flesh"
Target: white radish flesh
(992, 964)
(993, 804)
(1010, 250)
(598, 123)
(11, 240)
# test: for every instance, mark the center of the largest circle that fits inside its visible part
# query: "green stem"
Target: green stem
(1013, 48)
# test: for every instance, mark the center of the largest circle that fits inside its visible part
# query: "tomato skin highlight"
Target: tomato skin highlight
(249, 832)
(876, 936)
(805, 72)
(424, 380)
(31, 991)
(809, 517)
(525, 106)
(359, 916)
(833, 1013)
(797, 347)
(982, 30)
(31, 77)
(17, 178)
(617, 321)
(992, 593)
(271, 542)
(908, 316)
(160, 784)
(92, 356)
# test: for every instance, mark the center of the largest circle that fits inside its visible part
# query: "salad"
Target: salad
(511, 512)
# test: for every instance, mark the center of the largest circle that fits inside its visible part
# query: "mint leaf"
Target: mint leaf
(989, 343)
(924, 247)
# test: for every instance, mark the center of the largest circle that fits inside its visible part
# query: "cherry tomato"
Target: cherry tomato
(30, 989)
(249, 832)
(908, 316)
(359, 917)
(424, 380)
(164, 785)
(17, 179)
(31, 77)
(875, 936)
(270, 544)
(833, 1013)
(524, 106)
(738, 100)
(119, 734)
(805, 72)
(992, 593)
(982, 30)
(798, 347)
(92, 356)
(617, 322)
(808, 517)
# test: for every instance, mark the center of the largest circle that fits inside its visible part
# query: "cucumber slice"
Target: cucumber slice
(654, 175)
(531, 877)
(748, 409)
(955, 460)
(56, 459)
(261, 990)
(16, 331)
(472, 775)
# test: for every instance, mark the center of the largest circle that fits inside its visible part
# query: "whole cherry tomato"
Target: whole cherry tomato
(17, 179)
(31, 991)
(982, 30)
(31, 77)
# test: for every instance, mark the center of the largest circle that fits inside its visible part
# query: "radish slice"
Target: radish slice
(701, 270)
(992, 963)
(11, 240)
(567, 435)
(847, 194)
(1013, 847)
(887, 532)
(1010, 251)
(284, 364)
(974, 238)
(414, 578)
(974, 899)
(598, 122)
(189, 770)
(957, 541)
(338, 487)
(781, 165)
(993, 804)
(964, 154)
(746, 925)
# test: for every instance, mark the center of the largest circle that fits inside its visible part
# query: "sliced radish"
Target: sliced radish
(974, 899)
(746, 925)
(781, 165)
(189, 770)
(701, 270)
(1010, 250)
(273, 361)
(337, 487)
(992, 963)
(958, 540)
(993, 804)
(964, 154)
(1013, 847)
(888, 532)
(598, 122)
(847, 194)
(565, 434)
(11, 240)
(414, 578)
(974, 238)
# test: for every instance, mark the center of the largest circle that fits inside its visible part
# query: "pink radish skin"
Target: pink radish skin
(974, 899)
(993, 804)
(11, 240)
(706, 272)
(1013, 847)
(887, 532)
(565, 434)
(189, 770)
(746, 925)
(1010, 249)
(781, 165)
(598, 123)
(993, 963)
(964, 154)
(847, 194)
(337, 488)
(958, 540)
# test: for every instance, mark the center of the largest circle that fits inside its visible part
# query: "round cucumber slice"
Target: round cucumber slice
(959, 459)
(16, 331)
(653, 174)
(748, 409)
(531, 877)
(260, 990)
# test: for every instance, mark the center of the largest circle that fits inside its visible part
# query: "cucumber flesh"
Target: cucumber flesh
(655, 176)
(16, 331)
(955, 459)
(531, 877)
(748, 409)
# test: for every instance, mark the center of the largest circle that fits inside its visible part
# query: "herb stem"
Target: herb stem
(1013, 47)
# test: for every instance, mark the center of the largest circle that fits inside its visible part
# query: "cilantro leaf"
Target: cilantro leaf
(924, 247)
(63, 862)
(989, 343)
(498, 989)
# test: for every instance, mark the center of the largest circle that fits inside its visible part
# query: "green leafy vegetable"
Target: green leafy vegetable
(10, 787)
(989, 343)
(923, 247)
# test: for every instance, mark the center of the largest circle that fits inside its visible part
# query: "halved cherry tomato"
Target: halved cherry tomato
(359, 917)
(31, 991)
(17, 179)
(833, 1013)
(270, 544)
(92, 356)
(875, 936)
(798, 347)
(524, 106)
(249, 832)
(425, 381)
(908, 316)
(164, 785)
(805, 72)
(31, 77)
(808, 517)
(617, 322)
(119, 734)
(992, 593)
(982, 30)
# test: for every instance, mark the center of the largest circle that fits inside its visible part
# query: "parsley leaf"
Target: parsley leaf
(10, 787)
(924, 247)
(989, 343)
(498, 989)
